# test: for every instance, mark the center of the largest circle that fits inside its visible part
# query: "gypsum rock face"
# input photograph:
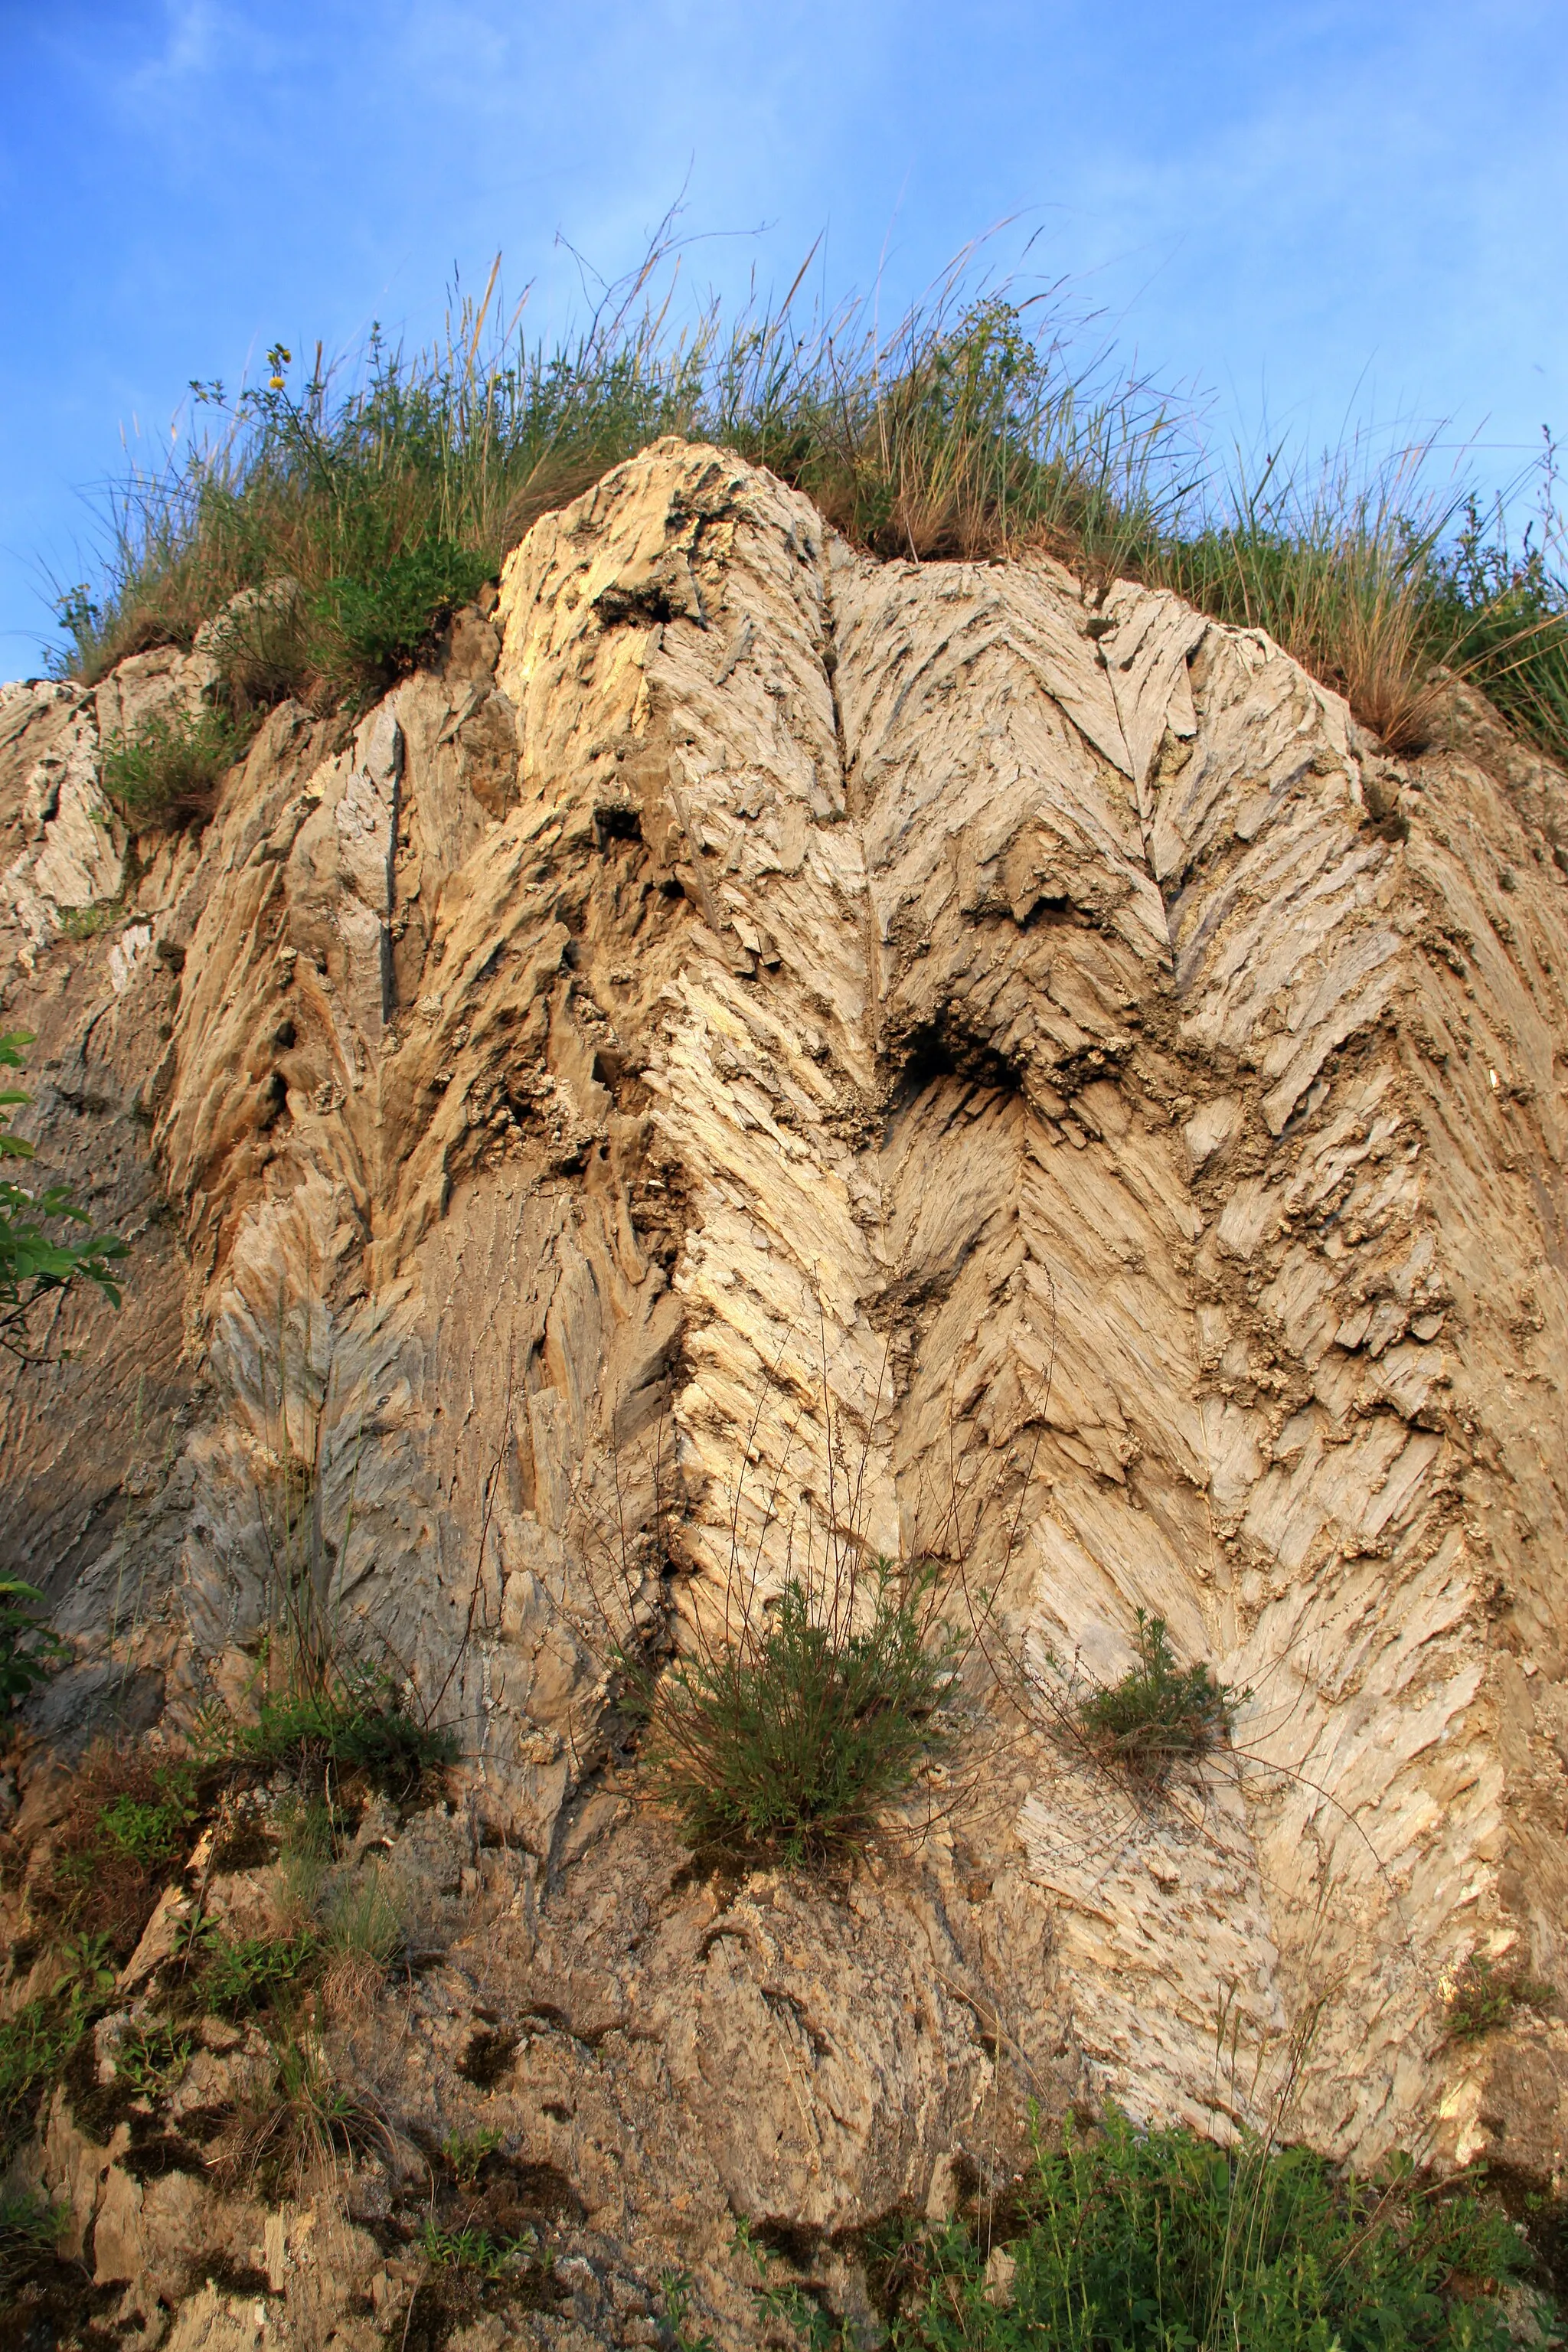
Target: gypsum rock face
(773, 1023)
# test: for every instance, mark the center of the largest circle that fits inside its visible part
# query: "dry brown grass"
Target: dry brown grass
(115, 1849)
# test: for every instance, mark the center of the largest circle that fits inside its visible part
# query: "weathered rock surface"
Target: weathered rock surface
(760, 1039)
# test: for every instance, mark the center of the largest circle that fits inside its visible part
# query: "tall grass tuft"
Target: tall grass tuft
(1338, 565)
(362, 507)
(336, 514)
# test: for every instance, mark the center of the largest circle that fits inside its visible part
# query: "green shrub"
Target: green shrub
(142, 1831)
(464, 2152)
(151, 2058)
(1159, 1714)
(675, 2293)
(112, 1850)
(790, 1739)
(37, 2039)
(169, 767)
(33, 1267)
(374, 628)
(79, 923)
(1500, 617)
(1148, 2242)
(30, 2228)
(382, 506)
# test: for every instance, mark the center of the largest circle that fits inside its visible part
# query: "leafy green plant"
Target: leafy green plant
(1159, 1714)
(375, 627)
(30, 2230)
(351, 1719)
(114, 1848)
(141, 1830)
(34, 1265)
(789, 1738)
(36, 2040)
(85, 922)
(151, 2058)
(382, 506)
(464, 2152)
(242, 1975)
(1145, 2241)
(1483, 1997)
(39, 2037)
(675, 2290)
(29, 1648)
(792, 2300)
(1499, 614)
(169, 766)
(469, 2247)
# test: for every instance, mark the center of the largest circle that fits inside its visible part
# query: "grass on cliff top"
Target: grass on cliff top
(360, 504)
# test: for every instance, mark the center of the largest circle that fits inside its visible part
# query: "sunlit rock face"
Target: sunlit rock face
(762, 1049)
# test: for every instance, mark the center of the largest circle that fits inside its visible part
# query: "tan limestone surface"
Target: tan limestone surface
(757, 1040)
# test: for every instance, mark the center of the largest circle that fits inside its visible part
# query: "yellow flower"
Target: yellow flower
(275, 382)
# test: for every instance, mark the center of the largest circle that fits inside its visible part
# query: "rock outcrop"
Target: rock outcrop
(758, 1040)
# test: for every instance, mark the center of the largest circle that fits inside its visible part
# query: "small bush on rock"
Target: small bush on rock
(1159, 1714)
(788, 1740)
(39, 2037)
(168, 768)
(151, 2058)
(371, 628)
(1484, 1996)
(242, 1976)
(470, 2248)
(114, 1851)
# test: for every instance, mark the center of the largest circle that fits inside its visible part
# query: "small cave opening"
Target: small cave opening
(633, 607)
(616, 823)
(944, 1049)
(274, 1101)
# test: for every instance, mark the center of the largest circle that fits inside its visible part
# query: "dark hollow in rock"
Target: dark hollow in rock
(488, 2057)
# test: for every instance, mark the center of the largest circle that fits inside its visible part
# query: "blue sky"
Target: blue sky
(1316, 210)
